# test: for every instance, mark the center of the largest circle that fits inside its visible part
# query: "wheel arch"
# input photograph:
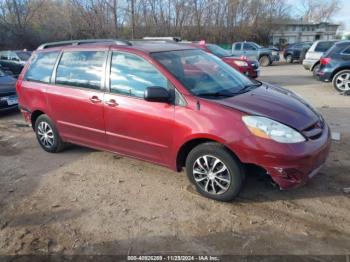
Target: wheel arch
(186, 148)
(314, 65)
(34, 116)
(338, 70)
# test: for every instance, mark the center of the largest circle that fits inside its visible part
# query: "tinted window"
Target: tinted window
(41, 67)
(81, 69)
(248, 47)
(24, 56)
(131, 75)
(323, 46)
(347, 51)
(218, 51)
(238, 46)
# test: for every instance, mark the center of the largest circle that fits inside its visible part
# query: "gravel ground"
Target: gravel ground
(84, 201)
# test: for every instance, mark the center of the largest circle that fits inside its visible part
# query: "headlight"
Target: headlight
(240, 63)
(274, 53)
(270, 129)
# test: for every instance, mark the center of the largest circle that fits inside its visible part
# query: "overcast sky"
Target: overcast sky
(342, 16)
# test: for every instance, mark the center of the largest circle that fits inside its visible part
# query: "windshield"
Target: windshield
(24, 56)
(218, 51)
(204, 74)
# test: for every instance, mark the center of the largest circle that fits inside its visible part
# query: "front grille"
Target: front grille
(315, 130)
(8, 94)
(3, 103)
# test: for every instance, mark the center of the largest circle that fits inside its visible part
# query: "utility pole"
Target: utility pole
(132, 19)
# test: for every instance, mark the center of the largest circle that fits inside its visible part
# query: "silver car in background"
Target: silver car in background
(313, 55)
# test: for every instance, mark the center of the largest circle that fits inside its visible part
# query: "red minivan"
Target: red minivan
(175, 106)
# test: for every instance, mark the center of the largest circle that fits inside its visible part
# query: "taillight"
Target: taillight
(325, 60)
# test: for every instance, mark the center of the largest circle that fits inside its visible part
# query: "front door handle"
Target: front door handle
(95, 99)
(111, 103)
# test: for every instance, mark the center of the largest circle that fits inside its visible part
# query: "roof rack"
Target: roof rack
(81, 42)
(163, 38)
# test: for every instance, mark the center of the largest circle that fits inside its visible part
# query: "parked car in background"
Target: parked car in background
(265, 56)
(296, 51)
(8, 96)
(313, 55)
(172, 105)
(246, 66)
(14, 60)
(335, 66)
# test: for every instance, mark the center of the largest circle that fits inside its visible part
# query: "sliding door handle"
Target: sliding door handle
(111, 103)
(95, 99)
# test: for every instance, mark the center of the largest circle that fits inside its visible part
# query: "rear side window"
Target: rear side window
(323, 46)
(41, 67)
(131, 75)
(81, 69)
(238, 46)
(347, 51)
(248, 47)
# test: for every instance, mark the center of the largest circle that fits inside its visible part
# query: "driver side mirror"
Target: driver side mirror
(157, 94)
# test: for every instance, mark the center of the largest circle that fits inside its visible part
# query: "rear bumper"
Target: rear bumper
(253, 73)
(309, 63)
(324, 75)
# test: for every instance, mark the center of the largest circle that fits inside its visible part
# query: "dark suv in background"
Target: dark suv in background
(296, 51)
(14, 60)
(335, 66)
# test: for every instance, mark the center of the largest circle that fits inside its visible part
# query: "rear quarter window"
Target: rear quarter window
(346, 51)
(238, 46)
(323, 46)
(41, 67)
(81, 69)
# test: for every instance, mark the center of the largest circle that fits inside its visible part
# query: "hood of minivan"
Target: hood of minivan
(7, 84)
(275, 103)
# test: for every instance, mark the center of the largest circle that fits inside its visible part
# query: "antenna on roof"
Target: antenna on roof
(81, 42)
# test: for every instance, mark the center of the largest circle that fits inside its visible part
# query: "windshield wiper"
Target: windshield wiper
(249, 87)
(218, 94)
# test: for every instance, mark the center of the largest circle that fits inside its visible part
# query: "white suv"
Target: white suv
(313, 55)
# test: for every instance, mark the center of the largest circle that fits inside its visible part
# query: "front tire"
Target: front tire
(289, 59)
(341, 81)
(215, 172)
(47, 135)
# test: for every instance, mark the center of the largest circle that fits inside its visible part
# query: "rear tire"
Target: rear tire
(47, 135)
(314, 70)
(289, 59)
(341, 81)
(215, 172)
(264, 61)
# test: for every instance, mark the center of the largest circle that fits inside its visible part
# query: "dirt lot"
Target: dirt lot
(83, 201)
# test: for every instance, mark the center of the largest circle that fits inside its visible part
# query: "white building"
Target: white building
(298, 31)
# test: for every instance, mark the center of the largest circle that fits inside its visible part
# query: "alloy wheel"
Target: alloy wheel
(46, 135)
(211, 175)
(342, 82)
